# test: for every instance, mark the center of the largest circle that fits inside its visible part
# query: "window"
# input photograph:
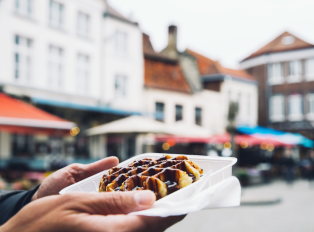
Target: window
(22, 59)
(275, 73)
(82, 24)
(309, 69)
(179, 113)
(198, 116)
(55, 66)
(56, 16)
(82, 73)
(294, 71)
(159, 114)
(277, 108)
(24, 7)
(295, 107)
(121, 43)
(121, 86)
(310, 104)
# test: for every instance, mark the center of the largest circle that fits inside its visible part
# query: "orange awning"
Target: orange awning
(19, 117)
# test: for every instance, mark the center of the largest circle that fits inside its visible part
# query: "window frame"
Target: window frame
(23, 59)
(295, 76)
(82, 71)
(26, 10)
(200, 122)
(277, 104)
(292, 100)
(120, 82)
(85, 31)
(275, 79)
(177, 116)
(59, 21)
(309, 76)
(55, 60)
(121, 43)
(160, 115)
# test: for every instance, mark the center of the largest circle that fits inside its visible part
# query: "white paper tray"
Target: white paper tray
(216, 169)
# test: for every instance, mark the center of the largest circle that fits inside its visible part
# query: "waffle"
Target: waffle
(163, 176)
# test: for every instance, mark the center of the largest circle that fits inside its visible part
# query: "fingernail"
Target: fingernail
(144, 197)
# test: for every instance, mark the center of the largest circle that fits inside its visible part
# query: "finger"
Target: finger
(84, 171)
(114, 202)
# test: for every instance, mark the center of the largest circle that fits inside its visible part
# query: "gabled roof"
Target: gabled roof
(162, 72)
(210, 67)
(115, 14)
(285, 42)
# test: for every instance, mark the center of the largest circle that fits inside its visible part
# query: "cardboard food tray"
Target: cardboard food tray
(216, 182)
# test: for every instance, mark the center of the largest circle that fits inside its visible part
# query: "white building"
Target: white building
(78, 59)
(74, 52)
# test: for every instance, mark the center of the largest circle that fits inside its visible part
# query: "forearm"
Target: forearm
(13, 202)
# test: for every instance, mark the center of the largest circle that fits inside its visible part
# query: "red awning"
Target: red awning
(220, 139)
(19, 117)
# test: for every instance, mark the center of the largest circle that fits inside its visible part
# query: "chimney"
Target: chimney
(172, 33)
(171, 49)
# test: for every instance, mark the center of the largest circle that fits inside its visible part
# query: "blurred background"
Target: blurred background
(82, 80)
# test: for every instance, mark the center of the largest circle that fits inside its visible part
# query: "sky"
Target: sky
(223, 30)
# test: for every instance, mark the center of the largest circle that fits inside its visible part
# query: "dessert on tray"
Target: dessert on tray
(163, 176)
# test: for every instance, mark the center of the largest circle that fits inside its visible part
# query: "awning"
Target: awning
(280, 136)
(19, 117)
(140, 124)
(220, 139)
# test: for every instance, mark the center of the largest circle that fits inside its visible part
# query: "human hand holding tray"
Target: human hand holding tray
(216, 188)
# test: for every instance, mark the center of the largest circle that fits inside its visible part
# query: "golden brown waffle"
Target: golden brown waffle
(162, 176)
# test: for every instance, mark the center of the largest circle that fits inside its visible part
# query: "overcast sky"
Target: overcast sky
(224, 30)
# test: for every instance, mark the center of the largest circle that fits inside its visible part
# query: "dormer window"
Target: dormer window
(287, 40)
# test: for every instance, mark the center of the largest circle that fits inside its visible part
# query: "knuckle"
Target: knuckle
(117, 200)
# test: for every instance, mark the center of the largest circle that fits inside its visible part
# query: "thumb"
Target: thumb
(118, 202)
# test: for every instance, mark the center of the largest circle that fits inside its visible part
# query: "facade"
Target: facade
(195, 90)
(80, 60)
(284, 69)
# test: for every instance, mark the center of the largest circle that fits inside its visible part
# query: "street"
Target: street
(293, 212)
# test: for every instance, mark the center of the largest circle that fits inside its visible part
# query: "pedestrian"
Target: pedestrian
(288, 164)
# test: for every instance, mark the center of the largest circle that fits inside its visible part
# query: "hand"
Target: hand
(71, 174)
(89, 212)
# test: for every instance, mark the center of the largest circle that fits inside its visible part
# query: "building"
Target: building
(284, 69)
(79, 60)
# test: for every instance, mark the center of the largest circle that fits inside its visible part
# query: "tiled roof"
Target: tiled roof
(164, 75)
(209, 67)
(162, 72)
(281, 44)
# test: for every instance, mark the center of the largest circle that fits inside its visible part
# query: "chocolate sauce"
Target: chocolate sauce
(193, 177)
(171, 186)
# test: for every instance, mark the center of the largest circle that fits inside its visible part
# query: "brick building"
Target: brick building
(284, 69)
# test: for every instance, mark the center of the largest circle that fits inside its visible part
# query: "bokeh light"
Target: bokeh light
(166, 146)
(171, 142)
(271, 147)
(227, 145)
(264, 146)
(244, 144)
(74, 131)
